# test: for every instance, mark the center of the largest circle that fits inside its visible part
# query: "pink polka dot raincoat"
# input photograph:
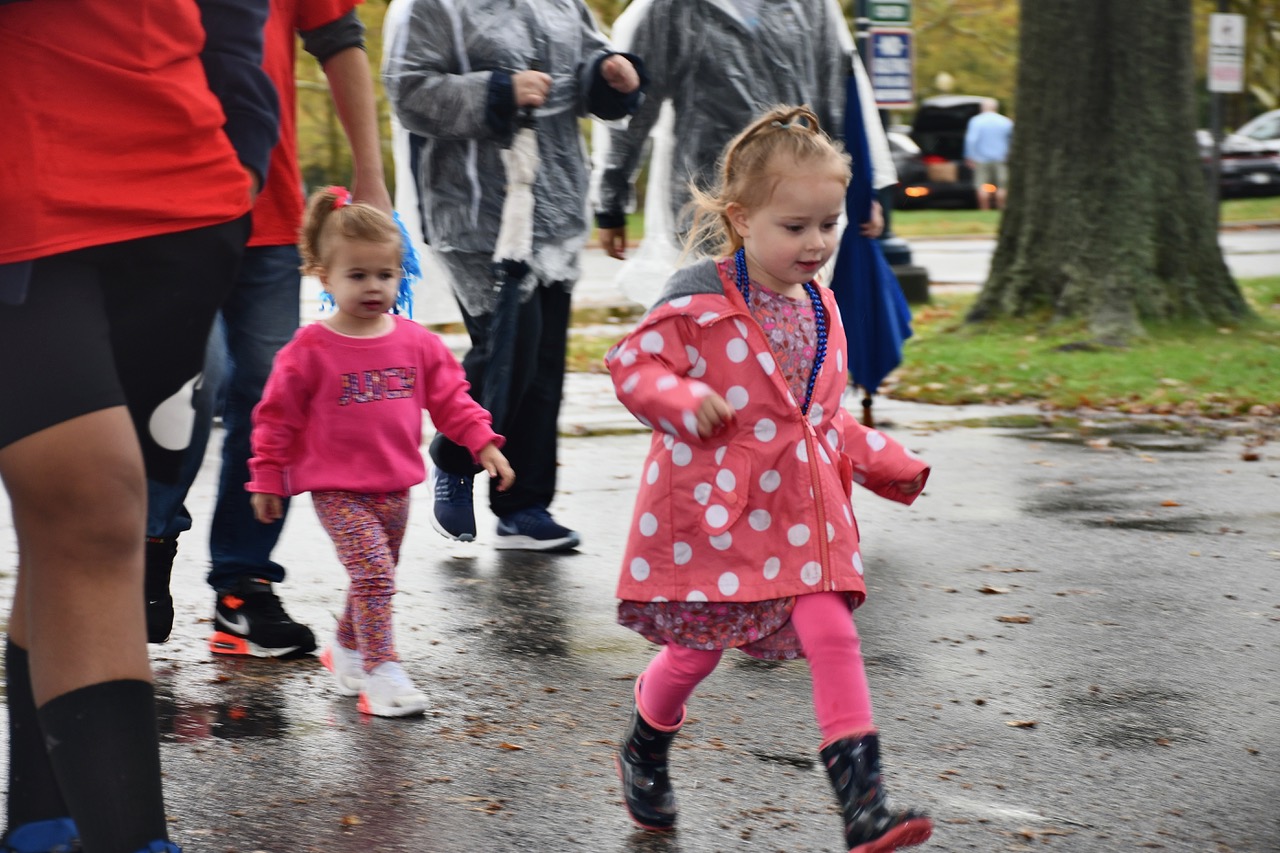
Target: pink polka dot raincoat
(761, 510)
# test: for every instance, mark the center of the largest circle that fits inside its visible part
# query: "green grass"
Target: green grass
(1183, 369)
(965, 223)
(962, 223)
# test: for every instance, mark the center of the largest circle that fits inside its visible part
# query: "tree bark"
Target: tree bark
(1108, 218)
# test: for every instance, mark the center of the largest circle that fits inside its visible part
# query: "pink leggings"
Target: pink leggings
(841, 699)
(367, 530)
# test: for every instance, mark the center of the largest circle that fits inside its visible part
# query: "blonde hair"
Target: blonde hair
(785, 140)
(331, 213)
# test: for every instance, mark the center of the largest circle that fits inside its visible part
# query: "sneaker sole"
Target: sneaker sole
(375, 709)
(222, 643)
(516, 542)
(439, 528)
(906, 834)
(347, 685)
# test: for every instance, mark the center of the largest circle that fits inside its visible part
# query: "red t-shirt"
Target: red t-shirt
(277, 214)
(110, 131)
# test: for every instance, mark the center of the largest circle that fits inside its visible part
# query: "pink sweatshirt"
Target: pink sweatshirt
(343, 413)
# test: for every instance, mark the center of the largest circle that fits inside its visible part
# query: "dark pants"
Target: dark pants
(537, 384)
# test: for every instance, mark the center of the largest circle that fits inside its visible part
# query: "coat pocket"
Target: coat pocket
(720, 500)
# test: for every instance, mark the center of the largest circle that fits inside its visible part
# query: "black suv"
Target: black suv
(940, 178)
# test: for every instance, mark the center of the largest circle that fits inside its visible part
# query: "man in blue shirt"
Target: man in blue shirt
(986, 148)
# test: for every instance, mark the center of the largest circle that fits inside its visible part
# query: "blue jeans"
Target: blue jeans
(259, 317)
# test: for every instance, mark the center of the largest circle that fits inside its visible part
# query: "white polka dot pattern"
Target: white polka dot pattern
(681, 454)
(735, 518)
(798, 534)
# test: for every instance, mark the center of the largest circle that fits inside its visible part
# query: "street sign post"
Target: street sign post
(891, 67)
(1226, 53)
(895, 13)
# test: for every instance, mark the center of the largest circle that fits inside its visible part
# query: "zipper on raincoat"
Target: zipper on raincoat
(810, 439)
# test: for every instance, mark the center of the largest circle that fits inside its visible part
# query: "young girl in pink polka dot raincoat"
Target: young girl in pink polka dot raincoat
(743, 534)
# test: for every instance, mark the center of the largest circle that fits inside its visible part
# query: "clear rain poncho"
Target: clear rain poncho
(438, 78)
(713, 66)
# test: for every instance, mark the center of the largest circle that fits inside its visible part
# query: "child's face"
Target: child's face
(790, 237)
(363, 277)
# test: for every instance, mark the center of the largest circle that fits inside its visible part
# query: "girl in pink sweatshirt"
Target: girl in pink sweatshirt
(743, 534)
(341, 418)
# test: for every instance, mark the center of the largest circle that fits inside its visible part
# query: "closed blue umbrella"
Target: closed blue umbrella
(872, 306)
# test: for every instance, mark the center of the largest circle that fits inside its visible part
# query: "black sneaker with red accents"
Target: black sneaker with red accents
(160, 553)
(250, 620)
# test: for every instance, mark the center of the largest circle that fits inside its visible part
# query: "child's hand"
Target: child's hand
(620, 74)
(911, 487)
(266, 508)
(497, 465)
(714, 415)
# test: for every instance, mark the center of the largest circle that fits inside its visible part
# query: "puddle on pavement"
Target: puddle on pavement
(802, 762)
(247, 706)
(1133, 718)
(1185, 524)
(1153, 441)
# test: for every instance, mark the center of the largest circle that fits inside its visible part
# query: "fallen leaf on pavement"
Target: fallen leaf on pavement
(1022, 724)
(1015, 620)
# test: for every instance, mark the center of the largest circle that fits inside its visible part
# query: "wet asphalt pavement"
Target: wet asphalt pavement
(1072, 644)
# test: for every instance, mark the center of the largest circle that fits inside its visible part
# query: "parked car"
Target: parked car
(1248, 166)
(1264, 128)
(940, 178)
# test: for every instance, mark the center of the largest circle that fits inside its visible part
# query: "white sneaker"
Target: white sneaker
(347, 667)
(388, 692)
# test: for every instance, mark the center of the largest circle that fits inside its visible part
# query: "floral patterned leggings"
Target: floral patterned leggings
(367, 530)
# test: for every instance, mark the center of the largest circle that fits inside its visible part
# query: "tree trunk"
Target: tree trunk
(1108, 217)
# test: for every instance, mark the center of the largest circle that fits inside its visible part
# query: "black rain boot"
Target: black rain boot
(853, 764)
(160, 553)
(642, 767)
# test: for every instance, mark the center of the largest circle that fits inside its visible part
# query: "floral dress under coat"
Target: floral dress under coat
(759, 512)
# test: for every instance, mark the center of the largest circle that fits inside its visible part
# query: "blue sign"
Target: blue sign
(891, 67)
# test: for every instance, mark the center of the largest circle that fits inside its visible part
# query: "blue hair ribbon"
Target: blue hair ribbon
(410, 274)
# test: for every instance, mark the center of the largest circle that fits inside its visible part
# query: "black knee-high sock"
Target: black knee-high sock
(33, 790)
(105, 750)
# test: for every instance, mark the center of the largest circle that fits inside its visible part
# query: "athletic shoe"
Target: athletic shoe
(249, 620)
(533, 529)
(453, 512)
(347, 667)
(388, 692)
(56, 835)
(160, 552)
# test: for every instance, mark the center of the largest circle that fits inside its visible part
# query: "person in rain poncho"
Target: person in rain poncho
(460, 74)
(717, 64)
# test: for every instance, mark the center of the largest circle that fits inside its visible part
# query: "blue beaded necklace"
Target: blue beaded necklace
(819, 317)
